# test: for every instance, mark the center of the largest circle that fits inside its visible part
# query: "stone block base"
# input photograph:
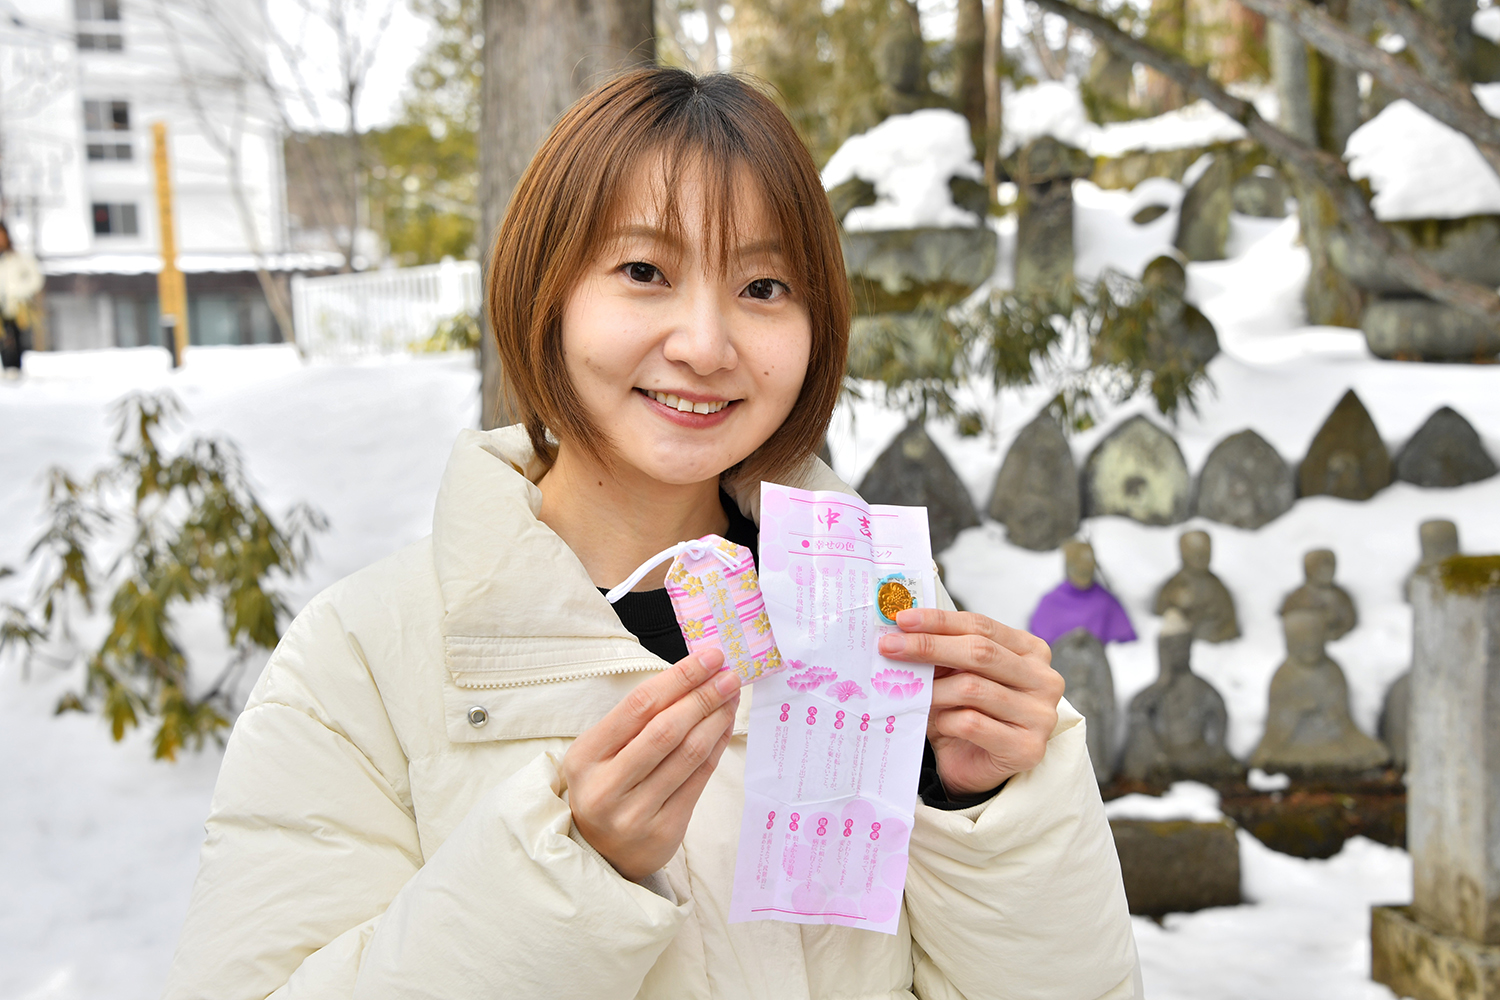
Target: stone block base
(1420, 330)
(1177, 866)
(1417, 961)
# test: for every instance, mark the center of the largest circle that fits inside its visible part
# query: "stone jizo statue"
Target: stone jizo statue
(1079, 657)
(1177, 725)
(1309, 732)
(1081, 602)
(1198, 593)
(1322, 595)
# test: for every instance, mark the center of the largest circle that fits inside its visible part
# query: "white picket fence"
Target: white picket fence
(380, 312)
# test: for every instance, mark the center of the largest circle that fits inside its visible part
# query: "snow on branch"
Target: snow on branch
(1314, 163)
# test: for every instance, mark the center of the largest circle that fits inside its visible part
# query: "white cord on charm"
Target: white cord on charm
(698, 548)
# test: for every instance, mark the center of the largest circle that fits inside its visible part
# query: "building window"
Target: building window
(94, 36)
(90, 41)
(96, 10)
(108, 125)
(113, 219)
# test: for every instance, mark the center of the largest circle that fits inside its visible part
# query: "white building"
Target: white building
(81, 83)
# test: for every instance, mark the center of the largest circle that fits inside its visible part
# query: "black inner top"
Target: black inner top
(648, 616)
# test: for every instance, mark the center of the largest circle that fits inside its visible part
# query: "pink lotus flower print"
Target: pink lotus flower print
(844, 690)
(809, 680)
(898, 684)
(826, 672)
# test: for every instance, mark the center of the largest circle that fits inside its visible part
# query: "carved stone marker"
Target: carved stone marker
(1262, 194)
(1080, 658)
(1245, 482)
(1198, 594)
(1444, 452)
(913, 471)
(1447, 943)
(1309, 732)
(1177, 866)
(1036, 492)
(1080, 601)
(1044, 171)
(1177, 725)
(1395, 720)
(1138, 472)
(1347, 458)
(1203, 226)
(1322, 595)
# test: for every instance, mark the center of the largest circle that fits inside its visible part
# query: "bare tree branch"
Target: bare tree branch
(1434, 55)
(1452, 103)
(1477, 300)
(229, 147)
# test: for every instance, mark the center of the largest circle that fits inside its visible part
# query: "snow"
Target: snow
(1184, 800)
(100, 842)
(1420, 168)
(1487, 23)
(909, 159)
(1054, 108)
(1051, 107)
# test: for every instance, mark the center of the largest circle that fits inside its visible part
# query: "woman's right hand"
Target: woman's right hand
(634, 777)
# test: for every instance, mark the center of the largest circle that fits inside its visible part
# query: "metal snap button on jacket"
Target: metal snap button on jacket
(478, 717)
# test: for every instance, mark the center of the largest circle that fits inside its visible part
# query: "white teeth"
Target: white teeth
(686, 405)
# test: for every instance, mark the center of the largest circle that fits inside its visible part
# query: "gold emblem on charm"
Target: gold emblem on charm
(892, 598)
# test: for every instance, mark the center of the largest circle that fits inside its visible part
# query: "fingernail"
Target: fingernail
(728, 682)
(910, 618)
(711, 658)
(892, 643)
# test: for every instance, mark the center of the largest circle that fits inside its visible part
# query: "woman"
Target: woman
(19, 281)
(464, 774)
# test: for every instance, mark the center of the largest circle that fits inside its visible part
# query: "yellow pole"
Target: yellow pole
(171, 290)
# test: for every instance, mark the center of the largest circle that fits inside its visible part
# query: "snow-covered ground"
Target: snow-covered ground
(98, 844)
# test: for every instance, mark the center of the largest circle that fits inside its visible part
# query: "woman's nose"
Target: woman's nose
(700, 334)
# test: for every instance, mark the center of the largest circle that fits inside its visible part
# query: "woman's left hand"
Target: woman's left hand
(994, 697)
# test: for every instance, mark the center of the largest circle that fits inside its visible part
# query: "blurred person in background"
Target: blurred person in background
(19, 281)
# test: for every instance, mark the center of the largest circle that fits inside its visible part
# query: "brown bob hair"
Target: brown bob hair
(564, 206)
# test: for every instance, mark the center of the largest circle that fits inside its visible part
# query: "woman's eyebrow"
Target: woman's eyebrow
(641, 231)
(769, 247)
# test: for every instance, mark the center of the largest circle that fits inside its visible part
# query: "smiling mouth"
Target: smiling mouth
(686, 405)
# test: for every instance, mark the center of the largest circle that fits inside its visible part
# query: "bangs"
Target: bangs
(700, 139)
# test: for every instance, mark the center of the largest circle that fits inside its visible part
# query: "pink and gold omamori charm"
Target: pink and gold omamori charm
(715, 592)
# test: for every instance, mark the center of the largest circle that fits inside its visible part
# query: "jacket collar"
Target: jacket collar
(519, 608)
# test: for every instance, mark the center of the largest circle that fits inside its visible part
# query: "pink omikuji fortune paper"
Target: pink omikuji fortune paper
(835, 742)
(716, 594)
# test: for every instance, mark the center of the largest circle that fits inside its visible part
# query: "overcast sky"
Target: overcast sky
(398, 49)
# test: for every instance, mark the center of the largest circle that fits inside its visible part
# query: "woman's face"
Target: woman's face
(686, 370)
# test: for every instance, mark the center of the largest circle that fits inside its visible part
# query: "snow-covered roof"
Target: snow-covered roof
(188, 263)
(1054, 108)
(1420, 168)
(909, 159)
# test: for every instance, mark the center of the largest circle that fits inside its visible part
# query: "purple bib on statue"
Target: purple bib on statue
(1067, 608)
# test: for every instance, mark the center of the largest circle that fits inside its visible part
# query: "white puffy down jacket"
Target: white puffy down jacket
(366, 840)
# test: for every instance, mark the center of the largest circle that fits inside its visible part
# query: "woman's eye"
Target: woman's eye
(642, 272)
(766, 289)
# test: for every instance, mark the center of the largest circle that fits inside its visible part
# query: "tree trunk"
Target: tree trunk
(539, 57)
(993, 53)
(968, 53)
(1338, 111)
(1293, 83)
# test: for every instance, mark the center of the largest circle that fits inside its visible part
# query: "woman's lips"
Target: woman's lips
(687, 418)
